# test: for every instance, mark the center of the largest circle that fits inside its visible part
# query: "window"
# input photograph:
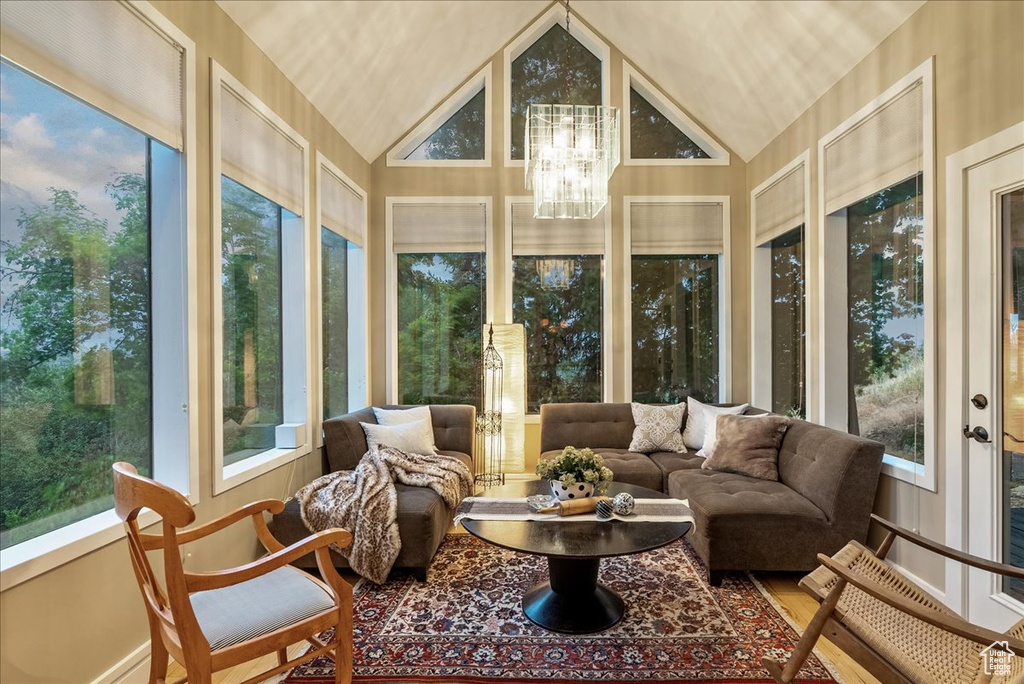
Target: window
(677, 280)
(460, 137)
(653, 136)
(260, 356)
(334, 306)
(95, 154)
(788, 296)
(438, 296)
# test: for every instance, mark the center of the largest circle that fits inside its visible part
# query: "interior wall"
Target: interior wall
(499, 181)
(73, 623)
(978, 92)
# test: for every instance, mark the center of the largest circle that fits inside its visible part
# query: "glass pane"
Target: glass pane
(556, 69)
(460, 137)
(558, 300)
(675, 328)
(75, 329)
(251, 288)
(1013, 387)
(788, 334)
(334, 268)
(441, 309)
(885, 279)
(653, 136)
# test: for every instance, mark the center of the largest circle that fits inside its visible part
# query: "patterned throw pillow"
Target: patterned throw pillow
(699, 415)
(749, 446)
(657, 428)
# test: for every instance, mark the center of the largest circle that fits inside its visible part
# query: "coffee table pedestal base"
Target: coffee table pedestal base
(572, 602)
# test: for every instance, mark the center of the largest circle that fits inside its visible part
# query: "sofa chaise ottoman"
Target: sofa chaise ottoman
(423, 517)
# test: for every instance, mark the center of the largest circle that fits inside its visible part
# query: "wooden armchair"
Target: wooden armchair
(214, 620)
(893, 628)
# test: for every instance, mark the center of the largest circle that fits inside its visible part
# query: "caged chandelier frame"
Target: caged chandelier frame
(570, 153)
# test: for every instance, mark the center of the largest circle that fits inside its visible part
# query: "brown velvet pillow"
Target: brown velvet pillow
(748, 445)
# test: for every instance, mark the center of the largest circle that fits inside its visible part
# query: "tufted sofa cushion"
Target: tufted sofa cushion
(630, 468)
(586, 425)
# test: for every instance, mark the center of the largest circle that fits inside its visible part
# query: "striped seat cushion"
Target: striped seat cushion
(244, 611)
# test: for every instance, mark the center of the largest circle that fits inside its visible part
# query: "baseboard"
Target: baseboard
(927, 586)
(132, 669)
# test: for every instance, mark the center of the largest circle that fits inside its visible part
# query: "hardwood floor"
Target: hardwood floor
(782, 586)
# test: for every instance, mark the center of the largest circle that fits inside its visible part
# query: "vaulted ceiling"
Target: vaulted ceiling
(744, 69)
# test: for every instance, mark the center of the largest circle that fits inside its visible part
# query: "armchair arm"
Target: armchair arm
(203, 581)
(949, 623)
(256, 508)
(943, 550)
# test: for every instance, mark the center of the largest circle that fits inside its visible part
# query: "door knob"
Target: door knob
(980, 401)
(978, 434)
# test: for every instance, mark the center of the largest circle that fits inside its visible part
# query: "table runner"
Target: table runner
(646, 510)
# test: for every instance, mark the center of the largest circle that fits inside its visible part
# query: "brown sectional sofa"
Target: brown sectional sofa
(423, 518)
(823, 499)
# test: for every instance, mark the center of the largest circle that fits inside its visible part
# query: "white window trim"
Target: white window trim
(33, 557)
(832, 361)
(760, 296)
(632, 78)
(325, 164)
(527, 37)
(724, 292)
(294, 291)
(607, 289)
(391, 275)
(396, 156)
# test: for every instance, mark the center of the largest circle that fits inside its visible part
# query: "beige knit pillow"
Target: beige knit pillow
(657, 428)
(748, 445)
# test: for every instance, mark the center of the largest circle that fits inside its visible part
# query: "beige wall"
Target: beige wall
(499, 182)
(73, 623)
(978, 91)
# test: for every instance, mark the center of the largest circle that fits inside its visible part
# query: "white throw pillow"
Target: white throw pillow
(399, 416)
(413, 438)
(711, 435)
(699, 416)
(657, 428)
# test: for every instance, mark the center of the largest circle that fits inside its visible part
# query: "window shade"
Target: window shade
(107, 54)
(341, 208)
(555, 236)
(676, 227)
(259, 155)
(779, 207)
(420, 227)
(882, 150)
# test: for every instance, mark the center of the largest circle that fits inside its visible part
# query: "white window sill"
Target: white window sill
(439, 163)
(905, 471)
(252, 467)
(531, 419)
(702, 161)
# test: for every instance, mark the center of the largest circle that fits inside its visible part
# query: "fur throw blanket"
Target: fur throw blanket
(364, 502)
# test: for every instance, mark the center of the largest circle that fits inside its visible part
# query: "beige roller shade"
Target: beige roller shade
(676, 227)
(258, 154)
(780, 207)
(423, 227)
(555, 236)
(104, 52)
(341, 208)
(885, 148)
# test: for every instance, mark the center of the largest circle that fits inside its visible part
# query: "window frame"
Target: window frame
(607, 291)
(26, 560)
(324, 164)
(526, 38)
(760, 296)
(724, 294)
(391, 274)
(632, 78)
(437, 118)
(832, 402)
(297, 374)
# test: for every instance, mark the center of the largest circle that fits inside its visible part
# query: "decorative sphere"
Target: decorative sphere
(623, 503)
(604, 509)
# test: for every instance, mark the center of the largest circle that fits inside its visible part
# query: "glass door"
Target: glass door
(1012, 404)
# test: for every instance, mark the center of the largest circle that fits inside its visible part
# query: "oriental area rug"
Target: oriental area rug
(465, 624)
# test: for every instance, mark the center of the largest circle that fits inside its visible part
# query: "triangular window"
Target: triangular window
(653, 136)
(460, 137)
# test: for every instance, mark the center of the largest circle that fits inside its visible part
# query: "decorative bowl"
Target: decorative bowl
(538, 501)
(580, 490)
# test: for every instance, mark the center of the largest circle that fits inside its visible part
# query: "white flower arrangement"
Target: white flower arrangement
(573, 466)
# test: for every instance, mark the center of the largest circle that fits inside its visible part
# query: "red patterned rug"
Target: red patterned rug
(465, 624)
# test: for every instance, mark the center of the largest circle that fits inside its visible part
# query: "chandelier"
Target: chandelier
(570, 152)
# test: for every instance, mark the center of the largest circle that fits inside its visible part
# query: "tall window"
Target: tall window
(885, 289)
(251, 280)
(75, 320)
(335, 311)
(559, 302)
(789, 395)
(675, 328)
(555, 69)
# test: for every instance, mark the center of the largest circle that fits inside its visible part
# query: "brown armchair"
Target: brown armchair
(215, 620)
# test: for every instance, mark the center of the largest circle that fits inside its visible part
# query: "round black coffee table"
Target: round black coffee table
(572, 601)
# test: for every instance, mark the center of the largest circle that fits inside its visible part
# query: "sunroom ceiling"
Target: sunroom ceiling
(744, 69)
